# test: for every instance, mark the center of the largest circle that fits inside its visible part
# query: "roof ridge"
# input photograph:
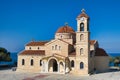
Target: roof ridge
(37, 43)
(92, 42)
(42, 41)
(83, 14)
(100, 52)
(65, 41)
(59, 54)
(32, 52)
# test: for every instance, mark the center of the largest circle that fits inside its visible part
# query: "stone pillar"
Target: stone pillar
(47, 66)
(58, 67)
(43, 67)
(64, 68)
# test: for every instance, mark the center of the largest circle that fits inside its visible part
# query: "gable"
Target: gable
(57, 46)
(57, 41)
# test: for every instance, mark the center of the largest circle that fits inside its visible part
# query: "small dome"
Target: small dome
(65, 29)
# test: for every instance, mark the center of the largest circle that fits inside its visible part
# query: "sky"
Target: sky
(21, 21)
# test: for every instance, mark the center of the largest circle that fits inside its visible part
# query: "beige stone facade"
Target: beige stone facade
(69, 52)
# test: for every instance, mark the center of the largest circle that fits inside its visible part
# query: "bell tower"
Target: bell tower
(82, 43)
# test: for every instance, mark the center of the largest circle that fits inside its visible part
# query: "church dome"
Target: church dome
(65, 29)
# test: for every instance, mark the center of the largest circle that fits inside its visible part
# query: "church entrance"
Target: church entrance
(53, 66)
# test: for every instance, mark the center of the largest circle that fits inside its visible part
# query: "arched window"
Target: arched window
(59, 47)
(52, 47)
(38, 48)
(23, 62)
(72, 63)
(55, 47)
(81, 51)
(81, 65)
(82, 27)
(30, 48)
(31, 62)
(81, 37)
(61, 36)
(40, 62)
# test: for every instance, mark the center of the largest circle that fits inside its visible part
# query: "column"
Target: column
(47, 66)
(43, 69)
(58, 67)
(64, 68)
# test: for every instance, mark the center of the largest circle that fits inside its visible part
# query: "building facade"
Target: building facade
(69, 52)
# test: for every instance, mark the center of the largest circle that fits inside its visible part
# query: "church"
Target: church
(69, 52)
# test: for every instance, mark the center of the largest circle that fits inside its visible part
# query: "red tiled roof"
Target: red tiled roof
(65, 29)
(92, 42)
(100, 52)
(33, 52)
(83, 15)
(40, 43)
(72, 53)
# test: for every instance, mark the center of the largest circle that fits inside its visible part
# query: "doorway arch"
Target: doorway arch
(53, 66)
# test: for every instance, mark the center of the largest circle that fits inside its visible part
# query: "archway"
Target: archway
(62, 67)
(53, 66)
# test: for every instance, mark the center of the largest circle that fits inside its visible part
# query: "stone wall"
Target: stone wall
(62, 51)
(35, 47)
(27, 64)
(101, 63)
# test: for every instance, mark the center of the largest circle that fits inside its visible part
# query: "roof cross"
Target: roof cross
(66, 24)
(83, 10)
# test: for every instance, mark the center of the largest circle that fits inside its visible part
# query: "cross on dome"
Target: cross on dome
(66, 23)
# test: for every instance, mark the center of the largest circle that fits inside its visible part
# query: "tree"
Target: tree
(4, 55)
(111, 60)
(116, 61)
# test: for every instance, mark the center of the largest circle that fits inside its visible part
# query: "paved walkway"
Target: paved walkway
(12, 75)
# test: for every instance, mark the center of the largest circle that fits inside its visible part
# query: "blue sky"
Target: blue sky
(24, 20)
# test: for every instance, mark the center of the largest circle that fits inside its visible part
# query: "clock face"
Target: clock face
(82, 19)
